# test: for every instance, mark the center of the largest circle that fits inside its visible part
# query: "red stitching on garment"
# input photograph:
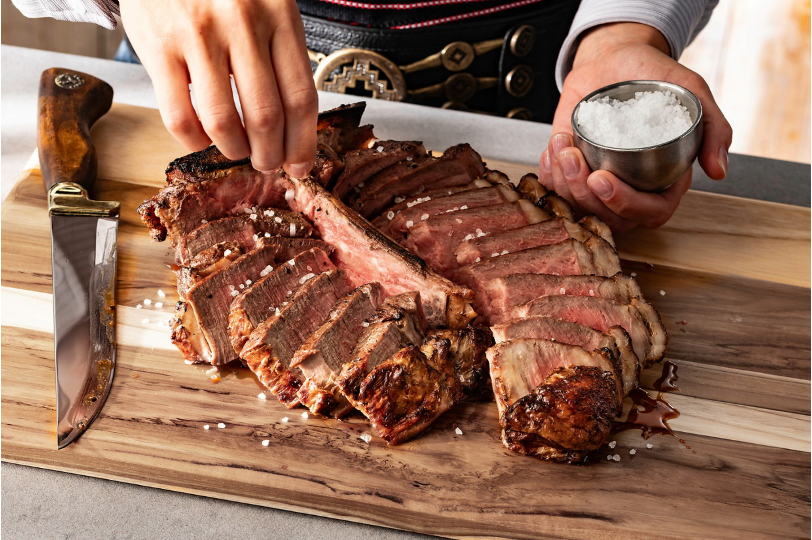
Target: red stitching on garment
(453, 18)
(414, 5)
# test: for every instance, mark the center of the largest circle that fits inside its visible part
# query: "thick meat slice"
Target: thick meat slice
(431, 238)
(467, 350)
(272, 344)
(474, 198)
(367, 255)
(360, 165)
(284, 248)
(552, 328)
(405, 394)
(242, 230)
(205, 263)
(258, 301)
(531, 189)
(458, 166)
(598, 228)
(205, 186)
(407, 308)
(567, 258)
(545, 233)
(520, 365)
(200, 328)
(339, 128)
(565, 417)
(498, 296)
(556, 206)
(321, 356)
(638, 319)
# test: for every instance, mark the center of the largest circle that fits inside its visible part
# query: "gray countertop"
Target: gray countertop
(46, 504)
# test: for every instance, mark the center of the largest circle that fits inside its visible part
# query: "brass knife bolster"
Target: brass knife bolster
(70, 199)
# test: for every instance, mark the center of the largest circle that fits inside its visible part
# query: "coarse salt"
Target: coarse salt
(147, 301)
(390, 215)
(267, 270)
(616, 457)
(609, 457)
(188, 362)
(306, 277)
(262, 395)
(648, 119)
(562, 290)
(662, 292)
(409, 158)
(612, 444)
(248, 210)
(458, 220)
(242, 285)
(266, 442)
(632, 451)
(424, 217)
(479, 233)
(206, 426)
(505, 252)
(234, 293)
(161, 293)
(144, 321)
(277, 311)
(203, 221)
(226, 253)
(458, 431)
(494, 254)
(267, 235)
(159, 305)
(221, 425)
(278, 219)
(285, 419)
(649, 446)
(409, 224)
(468, 237)
(591, 292)
(289, 194)
(634, 274)
(248, 282)
(269, 213)
(478, 259)
(464, 207)
(379, 149)
(305, 415)
(292, 229)
(399, 200)
(366, 437)
(365, 324)
(253, 216)
(212, 371)
(139, 306)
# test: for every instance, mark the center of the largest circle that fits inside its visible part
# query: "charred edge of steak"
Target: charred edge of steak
(347, 114)
(271, 372)
(468, 346)
(146, 210)
(203, 162)
(572, 411)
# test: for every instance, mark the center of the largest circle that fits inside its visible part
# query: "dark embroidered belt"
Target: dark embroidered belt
(497, 65)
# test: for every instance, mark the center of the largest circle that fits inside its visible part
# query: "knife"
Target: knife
(83, 248)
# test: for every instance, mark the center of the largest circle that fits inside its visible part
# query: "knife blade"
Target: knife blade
(83, 247)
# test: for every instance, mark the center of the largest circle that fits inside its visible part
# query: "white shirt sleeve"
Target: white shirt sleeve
(678, 20)
(101, 12)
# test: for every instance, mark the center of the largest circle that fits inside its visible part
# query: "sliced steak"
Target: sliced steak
(340, 128)
(405, 394)
(615, 340)
(567, 258)
(498, 296)
(531, 189)
(270, 349)
(467, 351)
(367, 255)
(323, 354)
(360, 165)
(205, 263)
(397, 307)
(258, 301)
(544, 233)
(598, 228)
(242, 230)
(474, 198)
(637, 317)
(459, 165)
(430, 238)
(565, 417)
(552, 203)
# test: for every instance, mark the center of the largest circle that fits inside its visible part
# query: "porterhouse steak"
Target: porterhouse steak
(330, 312)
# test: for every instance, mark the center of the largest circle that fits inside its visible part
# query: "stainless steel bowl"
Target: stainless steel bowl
(652, 168)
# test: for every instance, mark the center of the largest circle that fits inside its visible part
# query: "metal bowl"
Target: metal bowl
(653, 168)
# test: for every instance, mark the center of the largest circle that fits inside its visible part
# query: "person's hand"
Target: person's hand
(609, 54)
(262, 44)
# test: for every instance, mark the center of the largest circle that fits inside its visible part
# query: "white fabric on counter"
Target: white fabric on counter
(101, 12)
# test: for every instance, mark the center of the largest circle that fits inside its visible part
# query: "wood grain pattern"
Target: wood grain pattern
(744, 400)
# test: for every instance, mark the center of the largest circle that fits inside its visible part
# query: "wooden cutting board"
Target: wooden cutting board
(729, 276)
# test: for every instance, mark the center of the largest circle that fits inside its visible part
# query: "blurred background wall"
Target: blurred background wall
(754, 54)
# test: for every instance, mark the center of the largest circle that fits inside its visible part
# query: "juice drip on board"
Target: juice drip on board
(651, 414)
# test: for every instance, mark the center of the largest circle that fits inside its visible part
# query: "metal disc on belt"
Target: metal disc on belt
(460, 87)
(519, 81)
(457, 56)
(345, 69)
(522, 40)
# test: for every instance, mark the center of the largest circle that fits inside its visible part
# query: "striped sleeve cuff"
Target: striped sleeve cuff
(678, 20)
(101, 12)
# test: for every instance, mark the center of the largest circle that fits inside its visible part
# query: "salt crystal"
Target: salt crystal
(277, 311)
(248, 210)
(468, 237)
(365, 324)
(231, 287)
(306, 277)
(161, 293)
(309, 269)
(256, 237)
(305, 415)
(458, 431)
(234, 293)
(478, 259)
(269, 213)
(278, 219)
(203, 221)
(226, 253)
(360, 184)
(494, 254)
(262, 395)
(144, 321)
(424, 217)
(464, 207)
(139, 306)
(159, 305)
(505, 252)
(248, 282)
(379, 149)
(366, 437)
(399, 200)
(662, 293)
(292, 229)
(390, 215)
(634, 274)
(285, 419)
(289, 194)
(242, 285)
(649, 446)
(212, 371)
(206, 426)
(479, 233)
(591, 292)
(266, 442)
(147, 301)
(267, 235)
(616, 457)
(609, 458)
(612, 444)
(290, 262)
(267, 270)
(188, 362)
(221, 425)
(253, 216)
(562, 290)
(632, 451)
(409, 224)
(648, 119)
(409, 158)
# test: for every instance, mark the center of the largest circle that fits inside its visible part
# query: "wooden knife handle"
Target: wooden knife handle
(69, 103)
